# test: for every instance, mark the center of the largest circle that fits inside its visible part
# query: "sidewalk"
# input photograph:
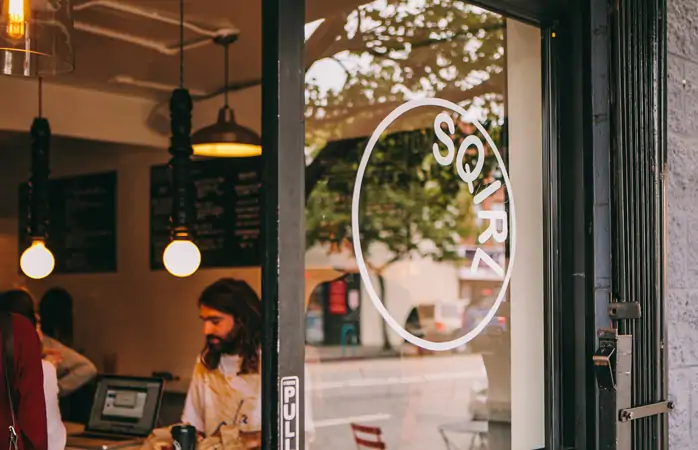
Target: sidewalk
(349, 353)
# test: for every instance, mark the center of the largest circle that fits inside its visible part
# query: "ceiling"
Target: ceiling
(102, 61)
(131, 46)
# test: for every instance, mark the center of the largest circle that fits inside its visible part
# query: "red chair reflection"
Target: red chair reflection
(372, 437)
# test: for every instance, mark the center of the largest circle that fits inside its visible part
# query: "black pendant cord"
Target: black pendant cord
(181, 150)
(38, 180)
(181, 44)
(41, 97)
(224, 40)
(225, 74)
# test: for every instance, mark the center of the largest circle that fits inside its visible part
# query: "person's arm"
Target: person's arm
(193, 406)
(29, 380)
(74, 370)
(55, 428)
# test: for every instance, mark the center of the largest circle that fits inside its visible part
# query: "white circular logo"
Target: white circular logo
(468, 175)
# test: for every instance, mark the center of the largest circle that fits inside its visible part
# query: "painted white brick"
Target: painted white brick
(678, 249)
(680, 419)
(676, 94)
(682, 221)
(690, 100)
(682, 326)
(682, 23)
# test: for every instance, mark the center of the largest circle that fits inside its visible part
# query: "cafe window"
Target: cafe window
(109, 210)
(411, 82)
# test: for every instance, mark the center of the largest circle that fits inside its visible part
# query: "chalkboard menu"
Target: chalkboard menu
(81, 223)
(227, 223)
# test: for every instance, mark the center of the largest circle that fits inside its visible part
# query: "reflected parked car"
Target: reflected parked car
(476, 312)
(438, 321)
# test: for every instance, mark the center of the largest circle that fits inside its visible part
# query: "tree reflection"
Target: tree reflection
(390, 52)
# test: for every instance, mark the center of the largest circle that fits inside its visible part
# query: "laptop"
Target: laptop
(124, 412)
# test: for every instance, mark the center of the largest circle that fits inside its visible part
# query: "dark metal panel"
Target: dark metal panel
(598, 203)
(536, 12)
(598, 158)
(554, 407)
(638, 61)
(578, 312)
(283, 233)
(584, 192)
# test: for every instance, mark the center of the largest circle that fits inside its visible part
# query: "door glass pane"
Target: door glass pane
(450, 254)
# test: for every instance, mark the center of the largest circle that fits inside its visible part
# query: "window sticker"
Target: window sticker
(498, 221)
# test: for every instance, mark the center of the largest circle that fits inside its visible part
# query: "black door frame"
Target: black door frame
(577, 250)
(283, 228)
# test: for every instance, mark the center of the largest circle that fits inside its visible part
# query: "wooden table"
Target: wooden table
(76, 428)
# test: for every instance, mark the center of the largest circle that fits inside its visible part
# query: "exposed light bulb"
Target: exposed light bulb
(181, 257)
(37, 261)
(15, 18)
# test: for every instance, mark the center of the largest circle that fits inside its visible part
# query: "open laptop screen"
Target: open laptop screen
(125, 405)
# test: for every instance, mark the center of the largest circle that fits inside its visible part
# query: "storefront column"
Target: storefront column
(283, 247)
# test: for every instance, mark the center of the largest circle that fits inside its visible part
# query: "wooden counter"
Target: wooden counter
(76, 428)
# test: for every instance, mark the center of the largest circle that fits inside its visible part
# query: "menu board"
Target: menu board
(227, 220)
(81, 223)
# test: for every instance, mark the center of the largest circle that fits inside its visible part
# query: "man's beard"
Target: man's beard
(222, 346)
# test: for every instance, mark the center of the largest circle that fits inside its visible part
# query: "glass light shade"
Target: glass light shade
(36, 37)
(181, 258)
(37, 261)
(226, 138)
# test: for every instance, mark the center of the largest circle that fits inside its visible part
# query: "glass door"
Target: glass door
(424, 225)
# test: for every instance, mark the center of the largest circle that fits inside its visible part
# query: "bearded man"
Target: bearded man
(226, 385)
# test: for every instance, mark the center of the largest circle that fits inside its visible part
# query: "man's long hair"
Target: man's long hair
(238, 299)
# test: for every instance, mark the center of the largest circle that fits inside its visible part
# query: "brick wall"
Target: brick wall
(682, 222)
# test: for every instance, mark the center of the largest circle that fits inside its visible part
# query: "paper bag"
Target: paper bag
(159, 439)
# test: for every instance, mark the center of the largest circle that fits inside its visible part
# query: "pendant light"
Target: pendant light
(226, 138)
(37, 261)
(181, 257)
(36, 37)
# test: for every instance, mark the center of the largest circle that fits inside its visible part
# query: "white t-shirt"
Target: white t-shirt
(217, 396)
(54, 422)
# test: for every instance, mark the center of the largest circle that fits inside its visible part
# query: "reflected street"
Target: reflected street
(408, 398)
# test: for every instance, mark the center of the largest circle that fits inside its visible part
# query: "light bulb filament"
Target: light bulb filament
(15, 19)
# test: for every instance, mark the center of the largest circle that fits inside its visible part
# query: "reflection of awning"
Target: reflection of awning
(316, 276)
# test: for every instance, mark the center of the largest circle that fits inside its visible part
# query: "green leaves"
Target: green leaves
(407, 199)
(392, 51)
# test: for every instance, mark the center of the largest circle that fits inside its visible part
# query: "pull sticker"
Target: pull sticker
(288, 414)
(498, 221)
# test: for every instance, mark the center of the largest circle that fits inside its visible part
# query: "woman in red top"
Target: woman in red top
(28, 384)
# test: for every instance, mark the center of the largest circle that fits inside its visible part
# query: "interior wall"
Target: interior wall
(524, 102)
(110, 117)
(149, 319)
